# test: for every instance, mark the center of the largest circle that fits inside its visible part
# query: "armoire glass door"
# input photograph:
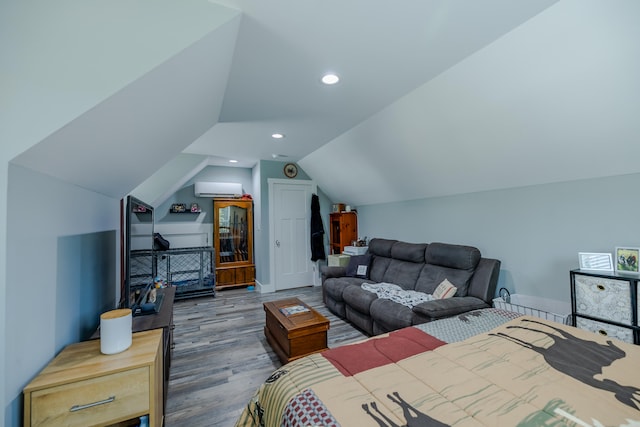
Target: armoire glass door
(233, 234)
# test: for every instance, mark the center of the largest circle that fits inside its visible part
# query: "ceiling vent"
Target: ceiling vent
(217, 189)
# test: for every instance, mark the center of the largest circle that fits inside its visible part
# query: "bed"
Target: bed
(486, 368)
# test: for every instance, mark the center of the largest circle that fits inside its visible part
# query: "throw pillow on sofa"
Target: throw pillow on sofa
(359, 266)
(445, 289)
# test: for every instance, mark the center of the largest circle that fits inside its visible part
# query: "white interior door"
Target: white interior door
(290, 212)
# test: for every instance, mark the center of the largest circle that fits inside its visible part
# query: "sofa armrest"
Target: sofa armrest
(328, 272)
(485, 280)
(440, 308)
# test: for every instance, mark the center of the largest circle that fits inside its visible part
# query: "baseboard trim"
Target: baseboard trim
(264, 289)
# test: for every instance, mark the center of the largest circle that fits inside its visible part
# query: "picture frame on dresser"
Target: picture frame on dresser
(595, 261)
(627, 259)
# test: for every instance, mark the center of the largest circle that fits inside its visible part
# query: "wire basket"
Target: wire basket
(543, 308)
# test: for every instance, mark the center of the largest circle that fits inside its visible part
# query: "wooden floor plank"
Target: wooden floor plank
(221, 354)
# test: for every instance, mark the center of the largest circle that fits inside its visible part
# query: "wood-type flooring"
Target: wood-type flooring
(221, 354)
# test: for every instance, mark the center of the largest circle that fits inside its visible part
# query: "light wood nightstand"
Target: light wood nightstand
(83, 387)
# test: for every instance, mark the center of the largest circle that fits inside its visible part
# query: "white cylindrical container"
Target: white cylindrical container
(115, 331)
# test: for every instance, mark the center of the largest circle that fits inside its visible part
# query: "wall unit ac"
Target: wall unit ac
(217, 189)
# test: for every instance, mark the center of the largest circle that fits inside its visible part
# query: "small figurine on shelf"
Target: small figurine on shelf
(158, 282)
(361, 242)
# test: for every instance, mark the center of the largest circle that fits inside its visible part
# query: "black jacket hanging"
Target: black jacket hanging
(317, 230)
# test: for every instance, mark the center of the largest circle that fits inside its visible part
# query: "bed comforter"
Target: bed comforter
(524, 372)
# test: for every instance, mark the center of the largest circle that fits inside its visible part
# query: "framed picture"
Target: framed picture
(627, 259)
(595, 261)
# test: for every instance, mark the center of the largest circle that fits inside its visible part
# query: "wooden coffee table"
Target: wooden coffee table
(295, 335)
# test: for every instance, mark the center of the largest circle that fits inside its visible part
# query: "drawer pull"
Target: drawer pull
(602, 332)
(601, 287)
(75, 408)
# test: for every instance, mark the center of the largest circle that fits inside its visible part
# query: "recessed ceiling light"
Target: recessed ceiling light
(277, 135)
(233, 161)
(330, 79)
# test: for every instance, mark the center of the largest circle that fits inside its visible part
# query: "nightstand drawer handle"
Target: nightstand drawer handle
(601, 287)
(75, 408)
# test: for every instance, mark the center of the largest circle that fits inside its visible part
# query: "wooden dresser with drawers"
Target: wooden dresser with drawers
(82, 387)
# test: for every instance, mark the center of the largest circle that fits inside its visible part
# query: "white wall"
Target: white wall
(535, 231)
(4, 168)
(62, 245)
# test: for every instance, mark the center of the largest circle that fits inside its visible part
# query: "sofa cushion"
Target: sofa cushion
(381, 247)
(332, 271)
(336, 307)
(335, 287)
(439, 308)
(389, 316)
(402, 273)
(395, 293)
(379, 265)
(455, 263)
(432, 275)
(360, 320)
(453, 256)
(358, 299)
(413, 252)
(359, 266)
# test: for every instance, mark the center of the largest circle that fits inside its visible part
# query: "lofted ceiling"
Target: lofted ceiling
(382, 50)
(436, 97)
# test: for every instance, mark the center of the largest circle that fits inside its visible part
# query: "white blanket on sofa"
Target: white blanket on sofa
(395, 293)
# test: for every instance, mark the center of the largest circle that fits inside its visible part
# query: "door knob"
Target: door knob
(278, 243)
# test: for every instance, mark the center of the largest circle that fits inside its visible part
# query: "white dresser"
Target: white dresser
(606, 303)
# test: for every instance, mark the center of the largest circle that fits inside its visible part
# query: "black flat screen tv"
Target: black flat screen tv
(138, 251)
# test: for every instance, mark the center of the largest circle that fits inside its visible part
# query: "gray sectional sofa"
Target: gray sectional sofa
(419, 267)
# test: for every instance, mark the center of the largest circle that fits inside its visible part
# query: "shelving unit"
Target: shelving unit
(606, 303)
(185, 212)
